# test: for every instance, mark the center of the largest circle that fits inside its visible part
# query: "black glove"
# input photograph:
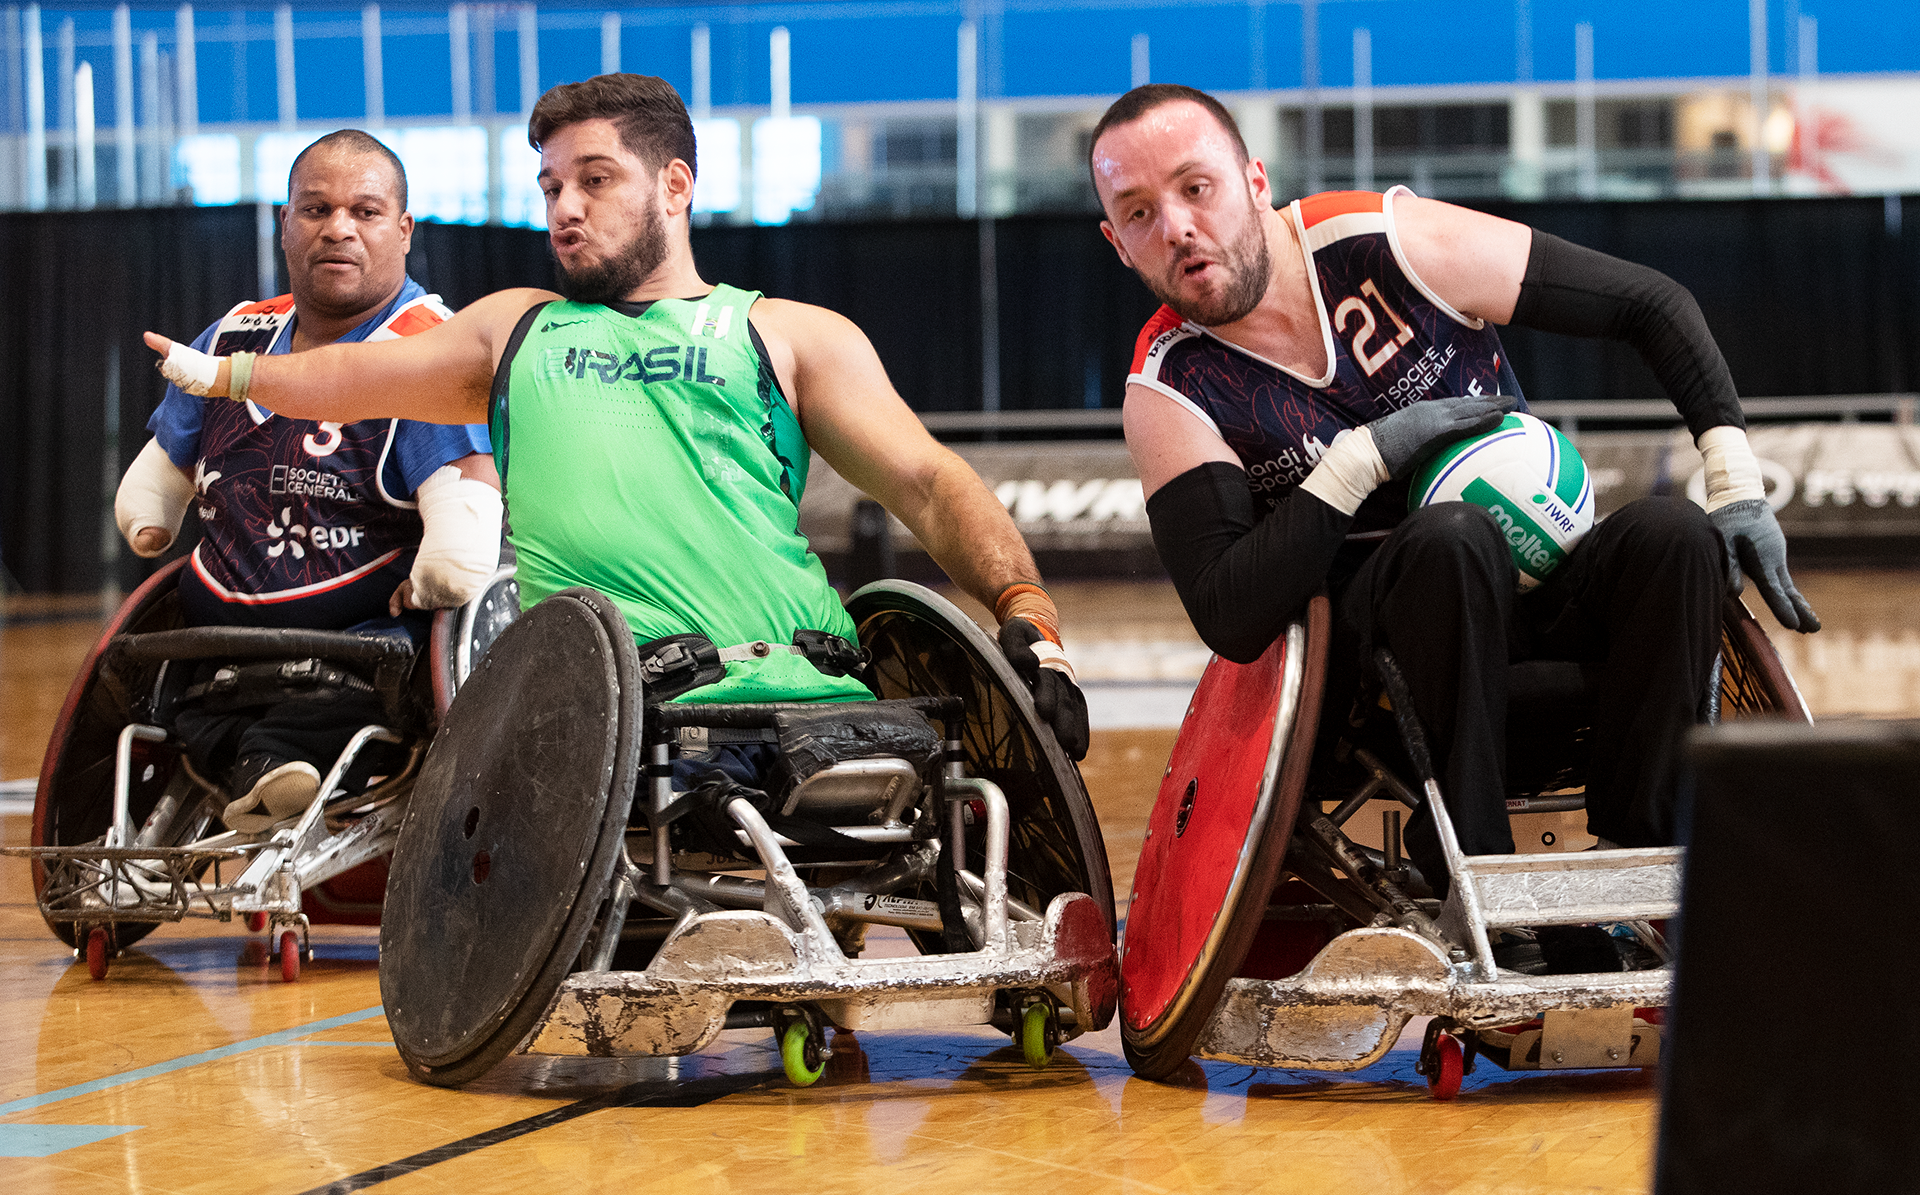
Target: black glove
(1410, 435)
(1057, 700)
(1754, 541)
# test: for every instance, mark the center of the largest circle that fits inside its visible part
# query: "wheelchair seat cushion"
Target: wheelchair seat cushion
(813, 739)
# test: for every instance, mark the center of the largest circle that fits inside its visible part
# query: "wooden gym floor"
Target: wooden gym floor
(193, 1068)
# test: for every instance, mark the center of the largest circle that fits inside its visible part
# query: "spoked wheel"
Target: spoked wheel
(289, 956)
(492, 893)
(923, 645)
(73, 805)
(803, 1045)
(1038, 1032)
(98, 951)
(1750, 680)
(1216, 839)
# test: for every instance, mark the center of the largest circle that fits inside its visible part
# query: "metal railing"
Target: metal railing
(1567, 416)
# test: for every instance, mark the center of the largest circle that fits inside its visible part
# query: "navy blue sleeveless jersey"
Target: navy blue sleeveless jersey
(303, 523)
(1390, 342)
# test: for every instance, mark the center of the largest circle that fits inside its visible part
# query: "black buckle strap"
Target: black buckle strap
(831, 654)
(679, 664)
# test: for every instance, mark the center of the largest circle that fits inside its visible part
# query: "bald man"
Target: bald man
(307, 523)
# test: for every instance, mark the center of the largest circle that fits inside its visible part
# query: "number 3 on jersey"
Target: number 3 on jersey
(1370, 359)
(329, 437)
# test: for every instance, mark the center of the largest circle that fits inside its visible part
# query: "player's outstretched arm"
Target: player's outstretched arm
(859, 424)
(441, 375)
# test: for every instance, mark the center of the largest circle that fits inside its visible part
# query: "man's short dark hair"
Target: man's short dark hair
(353, 141)
(653, 123)
(1144, 99)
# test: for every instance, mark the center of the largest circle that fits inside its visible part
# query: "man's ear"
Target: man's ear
(1106, 230)
(406, 232)
(676, 187)
(1257, 181)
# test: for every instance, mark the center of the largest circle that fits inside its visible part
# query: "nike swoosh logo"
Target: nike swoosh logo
(570, 323)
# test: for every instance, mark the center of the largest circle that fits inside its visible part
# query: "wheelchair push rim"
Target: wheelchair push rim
(1216, 839)
(511, 837)
(924, 645)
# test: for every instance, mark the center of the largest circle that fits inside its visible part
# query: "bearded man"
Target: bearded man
(653, 431)
(1307, 359)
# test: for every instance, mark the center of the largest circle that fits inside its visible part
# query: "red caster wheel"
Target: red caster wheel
(256, 922)
(97, 953)
(1443, 1077)
(290, 963)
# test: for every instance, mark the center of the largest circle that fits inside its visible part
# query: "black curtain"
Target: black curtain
(1813, 296)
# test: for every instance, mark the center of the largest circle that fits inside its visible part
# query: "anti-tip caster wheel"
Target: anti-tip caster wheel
(803, 1046)
(1038, 1032)
(99, 950)
(289, 955)
(1445, 1066)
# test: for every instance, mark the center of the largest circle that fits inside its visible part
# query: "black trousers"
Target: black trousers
(1638, 601)
(244, 745)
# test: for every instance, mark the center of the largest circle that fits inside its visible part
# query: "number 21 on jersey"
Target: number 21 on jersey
(1370, 358)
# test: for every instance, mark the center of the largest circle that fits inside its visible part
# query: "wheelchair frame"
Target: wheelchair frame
(114, 890)
(776, 952)
(1348, 1005)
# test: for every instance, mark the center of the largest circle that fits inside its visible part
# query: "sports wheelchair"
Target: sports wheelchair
(1260, 933)
(127, 834)
(553, 894)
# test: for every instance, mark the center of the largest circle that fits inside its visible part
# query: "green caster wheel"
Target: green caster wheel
(803, 1052)
(1039, 1033)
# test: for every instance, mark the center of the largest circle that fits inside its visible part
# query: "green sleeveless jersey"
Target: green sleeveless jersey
(646, 450)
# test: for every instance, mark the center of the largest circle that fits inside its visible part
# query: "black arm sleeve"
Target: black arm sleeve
(1241, 580)
(1580, 292)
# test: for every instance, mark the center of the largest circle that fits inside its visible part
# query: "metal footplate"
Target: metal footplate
(1575, 888)
(680, 1003)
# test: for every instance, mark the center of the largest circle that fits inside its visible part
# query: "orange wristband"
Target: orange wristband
(1026, 600)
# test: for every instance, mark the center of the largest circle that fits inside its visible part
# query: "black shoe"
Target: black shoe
(1578, 950)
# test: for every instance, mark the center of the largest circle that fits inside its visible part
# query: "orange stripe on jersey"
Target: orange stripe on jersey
(277, 306)
(1164, 320)
(1328, 204)
(414, 320)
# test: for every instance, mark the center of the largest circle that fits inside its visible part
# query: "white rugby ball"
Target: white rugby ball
(1529, 477)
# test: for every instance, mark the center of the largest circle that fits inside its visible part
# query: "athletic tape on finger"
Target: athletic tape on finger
(190, 369)
(1052, 656)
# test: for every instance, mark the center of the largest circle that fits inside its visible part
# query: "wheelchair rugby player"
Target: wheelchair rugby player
(1306, 360)
(653, 433)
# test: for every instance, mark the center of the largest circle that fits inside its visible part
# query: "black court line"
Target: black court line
(650, 1094)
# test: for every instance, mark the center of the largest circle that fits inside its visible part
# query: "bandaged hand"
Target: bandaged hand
(1738, 508)
(195, 372)
(1030, 639)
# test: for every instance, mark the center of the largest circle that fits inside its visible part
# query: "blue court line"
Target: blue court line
(283, 1037)
(45, 1140)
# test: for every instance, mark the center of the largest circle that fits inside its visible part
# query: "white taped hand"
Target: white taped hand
(460, 545)
(1733, 472)
(153, 494)
(190, 369)
(1350, 470)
